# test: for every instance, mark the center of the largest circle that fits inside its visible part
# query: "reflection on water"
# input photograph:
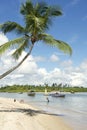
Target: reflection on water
(73, 107)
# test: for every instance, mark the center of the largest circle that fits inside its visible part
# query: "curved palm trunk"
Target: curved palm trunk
(15, 67)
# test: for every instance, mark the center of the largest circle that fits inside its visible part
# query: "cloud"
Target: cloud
(54, 58)
(67, 63)
(30, 73)
(3, 59)
(16, 76)
(29, 66)
(3, 38)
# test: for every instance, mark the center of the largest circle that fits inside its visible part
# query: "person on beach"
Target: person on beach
(14, 100)
(21, 101)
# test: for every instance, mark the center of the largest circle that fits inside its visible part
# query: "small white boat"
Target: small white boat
(46, 93)
(57, 94)
(20, 92)
(31, 93)
(72, 92)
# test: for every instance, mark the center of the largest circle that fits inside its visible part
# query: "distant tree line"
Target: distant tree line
(41, 88)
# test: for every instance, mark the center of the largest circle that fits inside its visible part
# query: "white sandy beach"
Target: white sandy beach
(21, 116)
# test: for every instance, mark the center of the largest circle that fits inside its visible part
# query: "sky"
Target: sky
(47, 64)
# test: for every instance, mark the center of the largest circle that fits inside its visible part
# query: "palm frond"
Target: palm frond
(63, 46)
(21, 48)
(54, 11)
(40, 8)
(8, 44)
(10, 26)
(27, 8)
(44, 36)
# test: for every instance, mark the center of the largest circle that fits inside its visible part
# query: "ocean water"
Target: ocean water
(72, 108)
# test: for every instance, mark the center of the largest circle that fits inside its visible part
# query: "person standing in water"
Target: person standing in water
(47, 99)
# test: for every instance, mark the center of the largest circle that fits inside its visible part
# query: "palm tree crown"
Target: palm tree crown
(37, 19)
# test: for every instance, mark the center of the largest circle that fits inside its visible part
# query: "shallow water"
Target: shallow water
(73, 108)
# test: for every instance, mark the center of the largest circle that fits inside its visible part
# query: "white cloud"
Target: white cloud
(67, 63)
(77, 79)
(29, 66)
(3, 38)
(42, 71)
(16, 76)
(3, 59)
(30, 73)
(54, 58)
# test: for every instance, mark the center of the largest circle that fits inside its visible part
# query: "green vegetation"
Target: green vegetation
(54, 87)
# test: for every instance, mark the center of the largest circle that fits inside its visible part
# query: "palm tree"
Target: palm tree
(37, 19)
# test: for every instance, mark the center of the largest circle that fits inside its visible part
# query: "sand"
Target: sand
(21, 116)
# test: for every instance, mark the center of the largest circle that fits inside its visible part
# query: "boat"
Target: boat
(20, 92)
(46, 93)
(31, 93)
(72, 92)
(57, 94)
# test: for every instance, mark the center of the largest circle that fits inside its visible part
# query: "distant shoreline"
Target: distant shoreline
(41, 88)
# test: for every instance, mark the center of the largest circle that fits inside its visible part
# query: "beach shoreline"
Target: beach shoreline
(18, 115)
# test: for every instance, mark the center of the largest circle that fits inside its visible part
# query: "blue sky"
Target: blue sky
(47, 64)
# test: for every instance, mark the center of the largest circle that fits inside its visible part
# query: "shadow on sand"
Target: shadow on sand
(30, 112)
